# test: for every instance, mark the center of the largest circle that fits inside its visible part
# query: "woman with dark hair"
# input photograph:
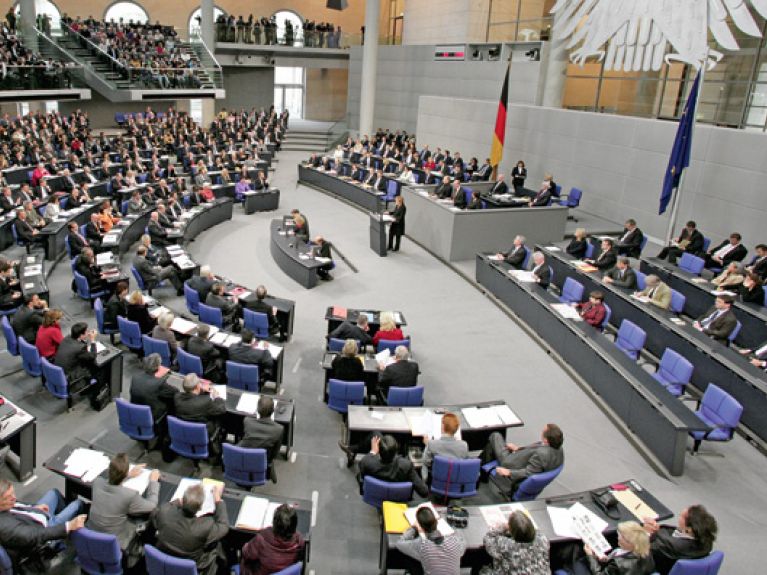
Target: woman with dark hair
(274, 548)
(752, 290)
(517, 549)
(693, 538)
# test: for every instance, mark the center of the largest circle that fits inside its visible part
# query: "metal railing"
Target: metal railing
(40, 77)
(207, 59)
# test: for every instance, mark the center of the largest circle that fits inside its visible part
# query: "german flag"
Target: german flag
(496, 153)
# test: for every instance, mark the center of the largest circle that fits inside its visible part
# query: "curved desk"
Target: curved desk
(364, 198)
(201, 218)
(124, 235)
(286, 253)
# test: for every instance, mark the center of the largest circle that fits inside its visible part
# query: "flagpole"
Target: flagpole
(675, 198)
(494, 172)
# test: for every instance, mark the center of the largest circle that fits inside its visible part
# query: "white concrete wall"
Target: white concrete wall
(445, 21)
(619, 162)
(407, 72)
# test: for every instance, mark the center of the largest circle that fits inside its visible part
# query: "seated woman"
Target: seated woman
(593, 311)
(163, 332)
(116, 306)
(49, 335)
(346, 365)
(752, 290)
(516, 548)
(577, 246)
(388, 329)
(107, 218)
(274, 548)
(631, 557)
(138, 311)
(731, 276)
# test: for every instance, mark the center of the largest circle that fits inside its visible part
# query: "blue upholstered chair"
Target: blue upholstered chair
(341, 394)
(674, 372)
(98, 308)
(572, 291)
(720, 410)
(391, 344)
(135, 421)
(532, 486)
(243, 376)
(376, 491)
(405, 396)
(454, 478)
(257, 322)
(130, 334)
(188, 363)
(97, 553)
(192, 298)
(159, 346)
(691, 263)
(11, 341)
(709, 565)
(159, 563)
(245, 467)
(630, 339)
(677, 301)
(188, 439)
(211, 315)
(30, 358)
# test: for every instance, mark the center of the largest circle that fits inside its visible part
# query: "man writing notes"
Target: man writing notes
(658, 292)
(519, 462)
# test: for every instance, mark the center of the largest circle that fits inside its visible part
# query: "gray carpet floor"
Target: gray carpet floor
(467, 349)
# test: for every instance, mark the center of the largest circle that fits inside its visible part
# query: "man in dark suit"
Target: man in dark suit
(358, 331)
(730, 250)
(541, 270)
(719, 321)
(260, 306)
(693, 538)
(606, 258)
(324, 252)
(7, 202)
(200, 346)
(24, 231)
(181, 533)
(25, 528)
(759, 267)
(500, 186)
(93, 232)
(202, 283)
(458, 195)
(401, 373)
(519, 462)
(76, 240)
(245, 352)
(229, 309)
(515, 256)
(148, 389)
(690, 241)
(163, 218)
(29, 317)
(630, 243)
(154, 274)
(383, 462)
(543, 197)
(157, 232)
(621, 275)
(397, 227)
(444, 190)
(195, 197)
(263, 432)
(76, 354)
(198, 406)
(86, 267)
(484, 172)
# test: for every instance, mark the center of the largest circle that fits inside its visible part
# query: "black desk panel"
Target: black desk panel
(286, 251)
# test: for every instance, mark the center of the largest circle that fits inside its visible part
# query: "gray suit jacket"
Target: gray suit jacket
(112, 504)
(262, 434)
(629, 279)
(445, 446)
(532, 459)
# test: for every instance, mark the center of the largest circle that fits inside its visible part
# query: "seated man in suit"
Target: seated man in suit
(86, 267)
(658, 292)
(630, 243)
(148, 389)
(24, 231)
(519, 462)
(263, 432)
(458, 195)
(113, 505)
(500, 187)
(383, 462)
(155, 255)
(543, 197)
(260, 306)
(621, 275)
(157, 231)
(229, 309)
(606, 258)
(693, 538)
(136, 205)
(26, 528)
(29, 317)
(76, 355)
(357, 331)
(719, 321)
(446, 446)
(248, 352)
(93, 232)
(195, 197)
(201, 405)
(8, 203)
(444, 190)
(401, 373)
(690, 240)
(484, 172)
(154, 274)
(759, 267)
(76, 240)
(730, 250)
(181, 533)
(34, 218)
(163, 218)
(203, 282)
(541, 270)
(209, 356)
(515, 257)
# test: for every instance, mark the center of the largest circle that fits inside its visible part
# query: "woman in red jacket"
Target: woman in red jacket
(49, 335)
(593, 311)
(274, 548)
(388, 329)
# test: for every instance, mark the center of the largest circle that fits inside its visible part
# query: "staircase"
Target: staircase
(94, 63)
(309, 136)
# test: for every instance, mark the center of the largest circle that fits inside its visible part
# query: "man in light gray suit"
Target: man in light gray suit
(519, 462)
(446, 446)
(113, 503)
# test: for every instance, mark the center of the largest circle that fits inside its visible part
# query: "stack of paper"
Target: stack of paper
(566, 311)
(86, 464)
(339, 311)
(394, 517)
(100, 347)
(139, 483)
(34, 270)
(578, 522)
(490, 416)
(209, 505)
(397, 317)
(385, 357)
(497, 515)
(183, 326)
(523, 276)
(256, 513)
(248, 403)
(274, 350)
(231, 339)
(218, 338)
(221, 391)
(427, 423)
(158, 311)
(642, 298)
(442, 525)
(104, 258)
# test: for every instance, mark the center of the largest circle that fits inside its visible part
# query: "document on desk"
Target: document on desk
(182, 325)
(231, 339)
(139, 483)
(566, 311)
(253, 513)
(387, 218)
(584, 266)
(717, 293)
(158, 311)
(442, 525)
(110, 239)
(34, 270)
(553, 249)
(642, 298)
(397, 317)
(274, 350)
(100, 347)
(523, 276)
(104, 258)
(495, 515)
(699, 280)
(218, 338)
(87, 464)
(385, 357)
(427, 423)
(490, 416)
(248, 403)
(183, 261)
(220, 390)
(636, 506)
(578, 522)
(209, 505)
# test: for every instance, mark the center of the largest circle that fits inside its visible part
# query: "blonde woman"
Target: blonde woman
(578, 245)
(138, 311)
(631, 557)
(388, 329)
(346, 365)
(162, 331)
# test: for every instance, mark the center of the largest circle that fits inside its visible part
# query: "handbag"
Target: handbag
(457, 517)
(607, 502)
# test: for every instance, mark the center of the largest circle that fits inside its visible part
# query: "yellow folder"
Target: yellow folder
(394, 517)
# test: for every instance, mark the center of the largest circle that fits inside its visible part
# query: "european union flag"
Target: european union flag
(680, 153)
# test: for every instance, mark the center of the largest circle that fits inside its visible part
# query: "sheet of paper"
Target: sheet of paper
(158, 311)
(590, 528)
(34, 270)
(252, 513)
(269, 515)
(139, 483)
(562, 522)
(480, 417)
(553, 249)
(274, 350)
(104, 258)
(218, 338)
(442, 525)
(566, 311)
(642, 298)
(208, 506)
(397, 317)
(86, 464)
(723, 292)
(495, 515)
(221, 391)
(100, 347)
(182, 325)
(248, 403)
(506, 415)
(636, 506)
(231, 339)
(523, 276)
(384, 357)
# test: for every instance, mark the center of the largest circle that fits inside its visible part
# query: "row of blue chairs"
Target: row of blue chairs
(335, 345)
(256, 322)
(694, 265)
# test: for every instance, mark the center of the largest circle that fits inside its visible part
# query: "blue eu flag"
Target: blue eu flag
(680, 153)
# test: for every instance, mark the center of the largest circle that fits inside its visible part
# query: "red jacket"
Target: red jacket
(48, 340)
(395, 334)
(266, 553)
(593, 314)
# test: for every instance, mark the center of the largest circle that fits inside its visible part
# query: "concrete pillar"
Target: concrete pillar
(26, 23)
(554, 59)
(208, 24)
(369, 67)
